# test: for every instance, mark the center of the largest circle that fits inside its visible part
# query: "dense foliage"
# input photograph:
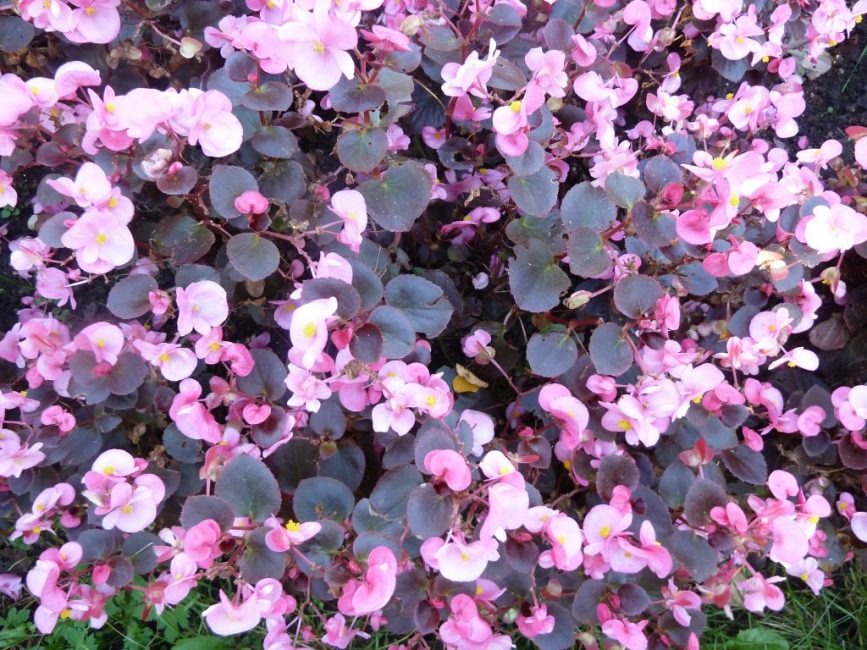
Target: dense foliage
(464, 319)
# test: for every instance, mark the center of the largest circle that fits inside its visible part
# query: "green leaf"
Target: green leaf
(201, 643)
(283, 181)
(551, 354)
(361, 150)
(421, 301)
(757, 638)
(227, 183)
(356, 96)
(252, 256)
(249, 487)
(536, 279)
(535, 194)
(396, 201)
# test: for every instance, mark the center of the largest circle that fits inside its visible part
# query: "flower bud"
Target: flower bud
(577, 299)
(155, 164)
(190, 47)
(411, 25)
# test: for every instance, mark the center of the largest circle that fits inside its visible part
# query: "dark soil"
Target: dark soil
(838, 99)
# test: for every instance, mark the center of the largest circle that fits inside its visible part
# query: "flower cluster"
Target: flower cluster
(474, 321)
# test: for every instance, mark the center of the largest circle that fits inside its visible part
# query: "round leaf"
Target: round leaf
(275, 142)
(535, 194)
(421, 301)
(536, 279)
(624, 190)
(587, 256)
(227, 184)
(252, 256)
(270, 96)
(128, 298)
(702, 495)
(428, 514)
(585, 206)
(321, 497)
(361, 150)
(552, 354)
(610, 351)
(179, 182)
(249, 487)
(396, 201)
(398, 333)
(636, 295)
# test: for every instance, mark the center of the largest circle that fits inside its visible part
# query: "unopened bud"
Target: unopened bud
(156, 163)
(189, 47)
(411, 25)
(831, 275)
(665, 36)
(577, 299)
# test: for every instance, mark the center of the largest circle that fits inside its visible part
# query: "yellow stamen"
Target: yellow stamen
(813, 520)
(605, 532)
(318, 48)
(465, 557)
(214, 346)
(310, 330)
(734, 200)
(515, 106)
(431, 400)
(100, 343)
(292, 526)
(65, 612)
(101, 238)
(127, 509)
(109, 470)
(90, 11)
(164, 357)
(624, 424)
(729, 95)
(112, 202)
(739, 39)
(804, 576)
(109, 108)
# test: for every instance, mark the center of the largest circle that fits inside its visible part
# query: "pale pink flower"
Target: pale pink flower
(201, 306)
(459, 561)
(104, 340)
(282, 537)
(835, 228)
(320, 47)
(8, 195)
(548, 70)
(175, 363)
(350, 206)
(471, 76)
(101, 242)
(202, 543)
(309, 330)
(232, 617)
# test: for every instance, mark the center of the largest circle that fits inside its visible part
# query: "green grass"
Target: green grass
(836, 619)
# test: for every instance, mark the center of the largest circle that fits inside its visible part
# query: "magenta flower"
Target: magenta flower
(374, 590)
(450, 467)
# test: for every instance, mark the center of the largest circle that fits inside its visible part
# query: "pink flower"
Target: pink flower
(373, 592)
(508, 503)
(629, 635)
(104, 340)
(834, 228)
(565, 537)
(282, 537)
(207, 120)
(251, 202)
(309, 330)
(101, 242)
(202, 543)
(8, 195)
(232, 617)
(320, 42)
(349, 205)
(602, 526)
(538, 622)
(201, 306)
(477, 345)
(175, 363)
(339, 634)
(387, 39)
(461, 562)
(10, 585)
(548, 70)
(307, 389)
(15, 458)
(471, 76)
(859, 525)
(131, 509)
(450, 467)
(760, 592)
